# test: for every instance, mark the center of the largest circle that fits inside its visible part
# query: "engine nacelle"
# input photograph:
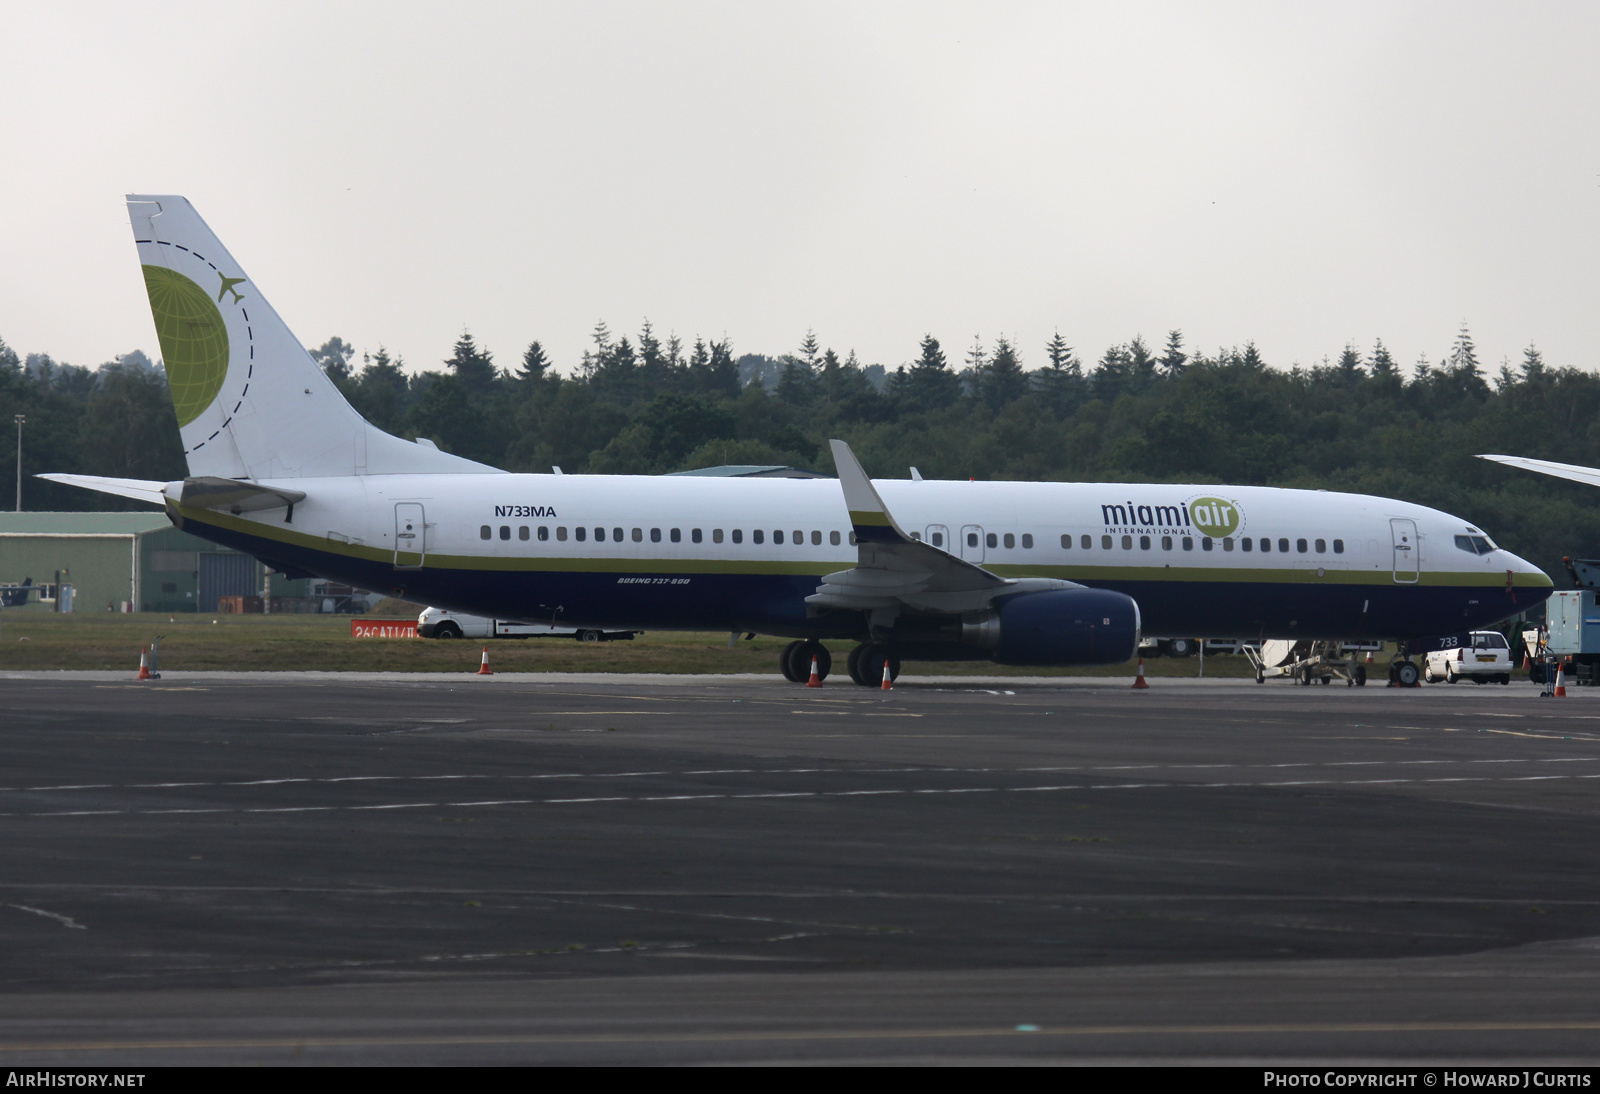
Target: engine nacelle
(1059, 627)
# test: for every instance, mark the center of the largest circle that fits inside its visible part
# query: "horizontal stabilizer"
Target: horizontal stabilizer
(138, 489)
(1588, 475)
(212, 492)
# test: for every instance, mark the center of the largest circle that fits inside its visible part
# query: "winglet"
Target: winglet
(869, 517)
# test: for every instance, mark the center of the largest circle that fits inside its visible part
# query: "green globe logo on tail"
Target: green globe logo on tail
(1215, 517)
(194, 341)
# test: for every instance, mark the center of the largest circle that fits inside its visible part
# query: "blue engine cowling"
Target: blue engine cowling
(1067, 627)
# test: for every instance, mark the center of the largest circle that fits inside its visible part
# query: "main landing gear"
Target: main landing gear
(795, 661)
(866, 663)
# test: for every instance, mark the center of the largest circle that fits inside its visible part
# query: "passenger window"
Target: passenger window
(655, 534)
(1144, 543)
(1322, 546)
(1338, 546)
(799, 539)
(1066, 543)
(676, 535)
(1283, 546)
(1266, 544)
(1166, 543)
(1105, 543)
(1227, 543)
(544, 532)
(716, 535)
(484, 533)
(1011, 541)
(600, 535)
(1300, 545)
(738, 535)
(580, 534)
(1086, 542)
(777, 537)
(756, 536)
(972, 539)
(1244, 544)
(561, 533)
(1027, 540)
(989, 539)
(833, 538)
(616, 534)
(638, 534)
(694, 534)
(816, 538)
(505, 531)
(522, 531)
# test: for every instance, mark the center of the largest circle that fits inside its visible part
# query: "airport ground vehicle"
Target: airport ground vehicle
(1312, 661)
(1572, 621)
(1484, 657)
(442, 623)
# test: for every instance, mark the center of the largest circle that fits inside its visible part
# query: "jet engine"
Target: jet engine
(1058, 627)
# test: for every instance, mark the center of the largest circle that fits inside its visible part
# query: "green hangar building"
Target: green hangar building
(117, 559)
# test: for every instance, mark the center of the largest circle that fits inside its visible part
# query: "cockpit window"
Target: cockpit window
(1489, 642)
(1477, 545)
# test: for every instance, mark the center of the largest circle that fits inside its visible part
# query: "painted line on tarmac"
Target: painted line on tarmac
(1086, 768)
(798, 794)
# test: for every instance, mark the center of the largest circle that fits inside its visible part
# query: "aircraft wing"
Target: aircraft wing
(895, 571)
(1587, 475)
(138, 489)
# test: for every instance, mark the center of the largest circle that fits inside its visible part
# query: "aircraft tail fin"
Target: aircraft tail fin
(251, 402)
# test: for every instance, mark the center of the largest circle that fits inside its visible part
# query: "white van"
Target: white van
(439, 623)
(1486, 658)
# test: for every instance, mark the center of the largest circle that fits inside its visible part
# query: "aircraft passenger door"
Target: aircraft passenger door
(939, 536)
(410, 536)
(972, 543)
(1407, 551)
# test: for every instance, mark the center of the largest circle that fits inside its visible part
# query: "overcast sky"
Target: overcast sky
(1303, 175)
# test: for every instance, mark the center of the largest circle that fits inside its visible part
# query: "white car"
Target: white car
(1486, 658)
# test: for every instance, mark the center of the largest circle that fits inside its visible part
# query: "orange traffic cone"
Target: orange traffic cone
(1561, 680)
(888, 684)
(484, 669)
(816, 680)
(144, 663)
(1139, 681)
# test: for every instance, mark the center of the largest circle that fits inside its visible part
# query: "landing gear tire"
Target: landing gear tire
(786, 661)
(1405, 674)
(1361, 676)
(852, 665)
(1261, 677)
(870, 663)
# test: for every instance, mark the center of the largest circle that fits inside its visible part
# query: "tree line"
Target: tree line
(646, 404)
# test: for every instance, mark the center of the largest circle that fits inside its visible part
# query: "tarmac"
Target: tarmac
(588, 868)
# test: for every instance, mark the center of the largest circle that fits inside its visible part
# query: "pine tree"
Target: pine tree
(1350, 371)
(808, 350)
(534, 363)
(1381, 364)
(472, 366)
(1173, 359)
(1533, 367)
(1002, 380)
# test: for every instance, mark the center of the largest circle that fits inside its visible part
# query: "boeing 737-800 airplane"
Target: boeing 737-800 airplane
(1024, 573)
